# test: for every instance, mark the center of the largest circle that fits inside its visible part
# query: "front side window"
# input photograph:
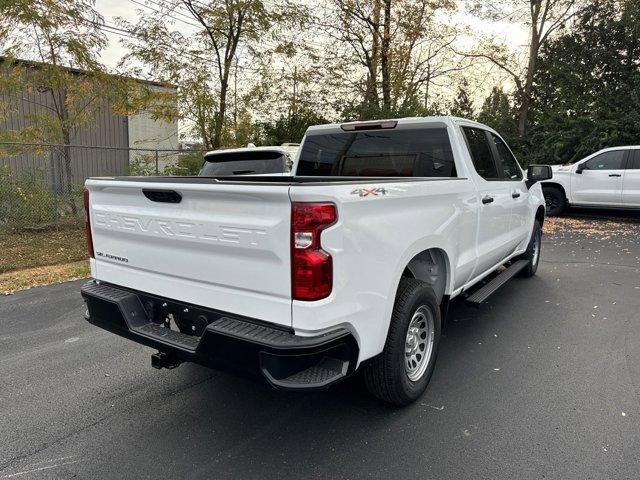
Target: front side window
(508, 163)
(634, 160)
(480, 151)
(424, 152)
(606, 161)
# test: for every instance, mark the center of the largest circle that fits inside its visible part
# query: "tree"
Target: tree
(390, 51)
(287, 129)
(462, 104)
(203, 63)
(54, 35)
(543, 18)
(583, 106)
(497, 112)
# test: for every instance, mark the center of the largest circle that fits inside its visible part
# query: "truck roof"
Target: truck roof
(401, 122)
(224, 151)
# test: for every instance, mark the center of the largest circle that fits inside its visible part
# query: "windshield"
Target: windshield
(424, 152)
(243, 163)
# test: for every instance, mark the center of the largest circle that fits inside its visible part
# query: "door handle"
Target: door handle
(615, 175)
(515, 195)
(487, 199)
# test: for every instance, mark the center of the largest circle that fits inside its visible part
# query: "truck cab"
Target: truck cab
(609, 178)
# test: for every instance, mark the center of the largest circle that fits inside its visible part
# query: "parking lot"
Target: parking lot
(543, 381)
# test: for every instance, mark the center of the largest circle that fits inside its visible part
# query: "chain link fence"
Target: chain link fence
(41, 185)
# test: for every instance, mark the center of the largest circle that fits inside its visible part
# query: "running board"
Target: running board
(490, 288)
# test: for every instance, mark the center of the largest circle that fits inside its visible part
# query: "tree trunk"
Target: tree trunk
(222, 110)
(386, 56)
(67, 189)
(371, 94)
(527, 90)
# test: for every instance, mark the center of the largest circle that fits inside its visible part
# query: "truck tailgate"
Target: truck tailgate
(221, 246)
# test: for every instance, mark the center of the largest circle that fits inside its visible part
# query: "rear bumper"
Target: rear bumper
(223, 341)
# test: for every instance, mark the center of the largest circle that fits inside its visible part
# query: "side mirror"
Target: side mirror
(581, 168)
(538, 173)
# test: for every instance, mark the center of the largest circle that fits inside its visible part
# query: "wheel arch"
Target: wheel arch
(431, 266)
(540, 215)
(556, 185)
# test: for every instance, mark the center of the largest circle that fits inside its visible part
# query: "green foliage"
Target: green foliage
(187, 164)
(290, 129)
(143, 165)
(25, 203)
(462, 104)
(498, 113)
(588, 86)
(204, 63)
(353, 111)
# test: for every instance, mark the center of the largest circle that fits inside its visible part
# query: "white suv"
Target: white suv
(609, 178)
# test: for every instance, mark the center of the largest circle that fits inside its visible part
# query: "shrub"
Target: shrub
(187, 164)
(25, 203)
(142, 166)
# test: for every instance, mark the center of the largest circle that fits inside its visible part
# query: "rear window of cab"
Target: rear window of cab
(420, 152)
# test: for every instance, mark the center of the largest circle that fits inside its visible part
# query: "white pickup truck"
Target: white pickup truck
(301, 280)
(609, 178)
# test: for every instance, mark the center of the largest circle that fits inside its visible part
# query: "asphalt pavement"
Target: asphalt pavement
(543, 381)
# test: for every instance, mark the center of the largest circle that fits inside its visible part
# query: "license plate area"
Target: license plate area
(186, 319)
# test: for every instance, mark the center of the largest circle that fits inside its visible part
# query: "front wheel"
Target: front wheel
(401, 373)
(555, 200)
(533, 251)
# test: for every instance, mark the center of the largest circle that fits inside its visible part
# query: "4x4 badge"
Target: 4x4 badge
(366, 192)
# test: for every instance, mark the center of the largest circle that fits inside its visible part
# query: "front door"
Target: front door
(520, 212)
(631, 182)
(495, 201)
(600, 182)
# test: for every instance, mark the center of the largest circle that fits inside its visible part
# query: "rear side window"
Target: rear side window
(606, 161)
(424, 152)
(480, 150)
(243, 163)
(508, 164)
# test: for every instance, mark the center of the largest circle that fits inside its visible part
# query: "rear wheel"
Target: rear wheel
(533, 251)
(401, 373)
(555, 200)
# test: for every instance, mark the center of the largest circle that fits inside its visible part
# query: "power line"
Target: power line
(167, 14)
(128, 33)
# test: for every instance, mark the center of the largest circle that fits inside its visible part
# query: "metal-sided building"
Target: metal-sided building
(106, 145)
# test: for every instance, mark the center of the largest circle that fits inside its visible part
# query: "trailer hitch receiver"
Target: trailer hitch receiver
(165, 360)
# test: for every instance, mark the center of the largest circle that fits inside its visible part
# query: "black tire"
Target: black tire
(530, 255)
(555, 199)
(386, 376)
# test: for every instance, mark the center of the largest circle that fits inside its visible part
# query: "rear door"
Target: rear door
(223, 246)
(494, 197)
(631, 182)
(600, 183)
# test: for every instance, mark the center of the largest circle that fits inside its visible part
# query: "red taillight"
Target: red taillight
(87, 223)
(311, 267)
